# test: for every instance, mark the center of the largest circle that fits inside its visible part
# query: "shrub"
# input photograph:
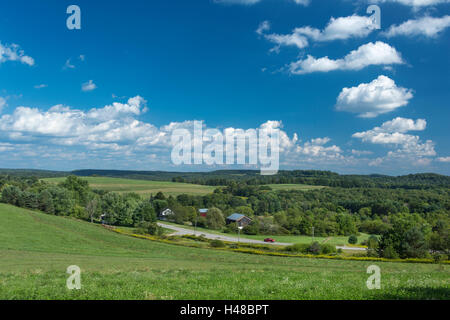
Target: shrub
(150, 228)
(298, 247)
(353, 239)
(372, 246)
(327, 249)
(390, 253)
(140, 231)
(314, 248)
(438, 258)
(217, 244)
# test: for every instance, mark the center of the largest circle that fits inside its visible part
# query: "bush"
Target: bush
(353, 239)
(217, 244)
(327, 249)
(314, 248)
(390, 253)
(298, 247)
(149, 228)
(438, 258)
(140, 230)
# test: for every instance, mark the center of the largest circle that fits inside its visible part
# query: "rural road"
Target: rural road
(179, 231)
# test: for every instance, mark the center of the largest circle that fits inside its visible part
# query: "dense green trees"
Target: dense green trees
(406, 238)
(73, 197)
(215, 219)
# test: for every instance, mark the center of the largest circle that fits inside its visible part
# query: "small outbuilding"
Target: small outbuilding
(239, 219)
(203, 212)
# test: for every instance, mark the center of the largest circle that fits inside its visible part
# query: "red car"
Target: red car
(269, 240)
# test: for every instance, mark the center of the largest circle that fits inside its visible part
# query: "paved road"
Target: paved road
(179, 231)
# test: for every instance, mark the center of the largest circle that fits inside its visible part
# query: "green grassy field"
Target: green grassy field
(36, 249)
(143, 187)
(335, 240)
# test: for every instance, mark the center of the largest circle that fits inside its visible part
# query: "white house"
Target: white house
(165, 214)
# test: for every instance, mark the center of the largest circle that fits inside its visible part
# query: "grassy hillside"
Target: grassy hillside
(142, 187)
(36, 249)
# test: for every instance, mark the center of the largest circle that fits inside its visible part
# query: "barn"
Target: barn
(239, 219)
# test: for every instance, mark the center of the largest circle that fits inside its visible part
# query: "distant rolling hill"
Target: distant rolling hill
(253, 177)
(142, 187)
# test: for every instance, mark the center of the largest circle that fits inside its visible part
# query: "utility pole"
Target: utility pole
(195, 225)
(313, 234)
(239, 233)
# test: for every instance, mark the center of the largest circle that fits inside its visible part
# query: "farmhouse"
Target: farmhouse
(165, 214)
(239, 219)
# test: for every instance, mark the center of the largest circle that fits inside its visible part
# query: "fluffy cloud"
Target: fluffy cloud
(114, 134)
(369, 100)
(413, 3)
(340, 29)
(316, 148)
(425, 26)
(404, 125)
(337, 29)
(394, 134)
(444, 159)
(88, 86)
(293, 39)
(14, 53)
(134, 107)
(378, 53)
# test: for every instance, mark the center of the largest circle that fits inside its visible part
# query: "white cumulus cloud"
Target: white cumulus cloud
(413, 3)
(14, 53)
(425, 26)
(394, 134)
(378, 53)
(88, 86)
(337, 29)
(369, 100)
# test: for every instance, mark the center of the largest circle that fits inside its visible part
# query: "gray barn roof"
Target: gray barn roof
(235, 217)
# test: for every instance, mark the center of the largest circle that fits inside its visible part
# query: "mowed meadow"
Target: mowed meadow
(142, 187)
(36, 249)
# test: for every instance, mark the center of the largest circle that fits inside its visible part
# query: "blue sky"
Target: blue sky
(348, 97)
